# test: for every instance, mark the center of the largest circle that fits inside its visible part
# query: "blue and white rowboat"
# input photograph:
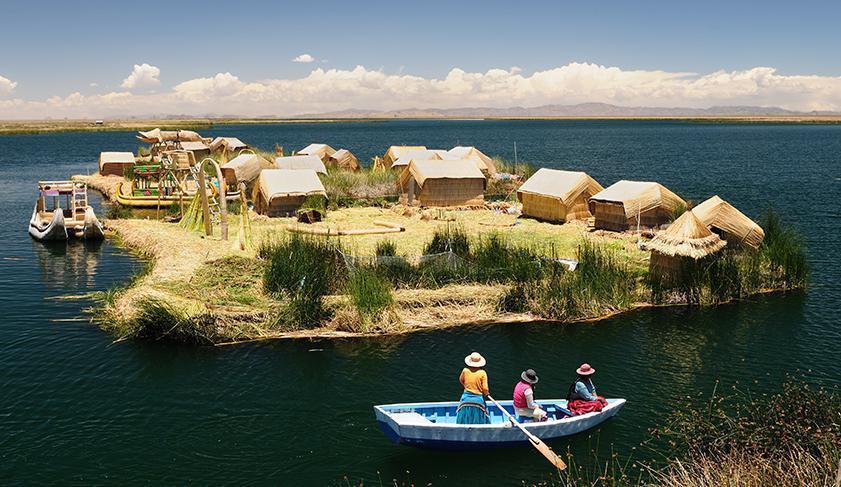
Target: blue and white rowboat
(433, 424)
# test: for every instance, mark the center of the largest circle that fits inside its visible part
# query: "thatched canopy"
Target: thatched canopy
(344, 159)
(301, 162)
(686, 237)
(279, 183)
(485, 163)
(115, 162)
(420, 155)
(638, 197)
(244, 168)
(724, 219)
(322, 151)
(232, 143)
(396, 151)
(157, 136)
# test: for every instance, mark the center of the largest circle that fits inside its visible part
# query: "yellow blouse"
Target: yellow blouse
(475, 382)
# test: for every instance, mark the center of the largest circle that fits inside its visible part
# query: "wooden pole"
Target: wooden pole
(205, 208)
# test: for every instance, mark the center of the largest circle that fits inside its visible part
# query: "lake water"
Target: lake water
(75, 408)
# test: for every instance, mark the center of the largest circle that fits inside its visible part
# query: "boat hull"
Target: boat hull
(432, 425)
(47, 231)
(59, 228)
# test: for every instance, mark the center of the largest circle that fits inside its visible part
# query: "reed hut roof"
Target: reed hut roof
(484, 162)
(719, 214)
(423, 170)
(301, 162)
(686, 237)
(233, 143)
(345, 159)
(564, 185)
(420, 154)
(244, 168)
(157, 136)
(116, 158)
(194, 146)
(396, 151)
(279, 183)
(320, 150)
(638, 197)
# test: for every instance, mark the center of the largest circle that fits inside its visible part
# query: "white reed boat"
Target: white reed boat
(62, 212)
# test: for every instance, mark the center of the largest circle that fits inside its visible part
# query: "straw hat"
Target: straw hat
(585, 369)
(475, 360)
(529, 376)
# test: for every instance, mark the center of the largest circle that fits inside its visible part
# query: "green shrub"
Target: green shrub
(303, 269)
(785, 252)
(386, 248)
(451, 238)
(370, 293)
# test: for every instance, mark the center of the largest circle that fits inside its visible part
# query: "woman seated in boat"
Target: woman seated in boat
(472, 408)
(582, 397)
(524, 406)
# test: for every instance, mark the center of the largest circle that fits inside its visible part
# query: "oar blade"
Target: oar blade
(553, 458)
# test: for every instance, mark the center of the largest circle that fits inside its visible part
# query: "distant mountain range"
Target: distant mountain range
(595, 110)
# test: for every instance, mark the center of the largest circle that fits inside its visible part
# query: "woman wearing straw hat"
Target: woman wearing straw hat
(472, 408)
(582, 397)
(524, 406)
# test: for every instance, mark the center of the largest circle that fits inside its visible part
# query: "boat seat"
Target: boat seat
(411, 419)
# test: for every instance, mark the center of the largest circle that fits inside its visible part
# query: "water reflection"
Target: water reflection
(68, 265)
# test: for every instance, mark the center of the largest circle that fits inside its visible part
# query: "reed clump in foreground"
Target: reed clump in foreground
(790, 438)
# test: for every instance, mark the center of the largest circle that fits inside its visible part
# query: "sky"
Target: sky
(115, 59)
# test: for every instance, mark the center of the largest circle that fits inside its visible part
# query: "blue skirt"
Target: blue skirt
(472, 409)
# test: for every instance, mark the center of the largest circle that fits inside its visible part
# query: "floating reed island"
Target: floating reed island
(247, 245)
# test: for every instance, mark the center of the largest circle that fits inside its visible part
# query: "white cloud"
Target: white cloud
(303, 58)
(93, 85)
(143, 76)
(336, 89)
(7, 86)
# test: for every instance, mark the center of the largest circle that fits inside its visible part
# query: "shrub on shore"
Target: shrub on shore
(303, 269)
(735, 273)
(370, 294)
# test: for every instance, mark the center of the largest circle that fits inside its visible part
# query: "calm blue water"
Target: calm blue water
(75, 408)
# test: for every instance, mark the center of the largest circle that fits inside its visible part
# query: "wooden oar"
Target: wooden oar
(543, 448)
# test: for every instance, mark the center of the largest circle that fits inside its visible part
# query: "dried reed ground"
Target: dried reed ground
(184, 270)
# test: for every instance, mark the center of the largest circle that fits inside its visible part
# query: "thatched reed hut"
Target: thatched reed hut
(199, 149)
(485, 163)
(115, 163)
(313, 163)
(686, 240)
(322, 151)
(626, 204)
(557, 196)
(731, 224)
(407, 157)
(281, 192)
(244, 168)
(441, 183)
(396, 151)
(229, 145)
(343, 159)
